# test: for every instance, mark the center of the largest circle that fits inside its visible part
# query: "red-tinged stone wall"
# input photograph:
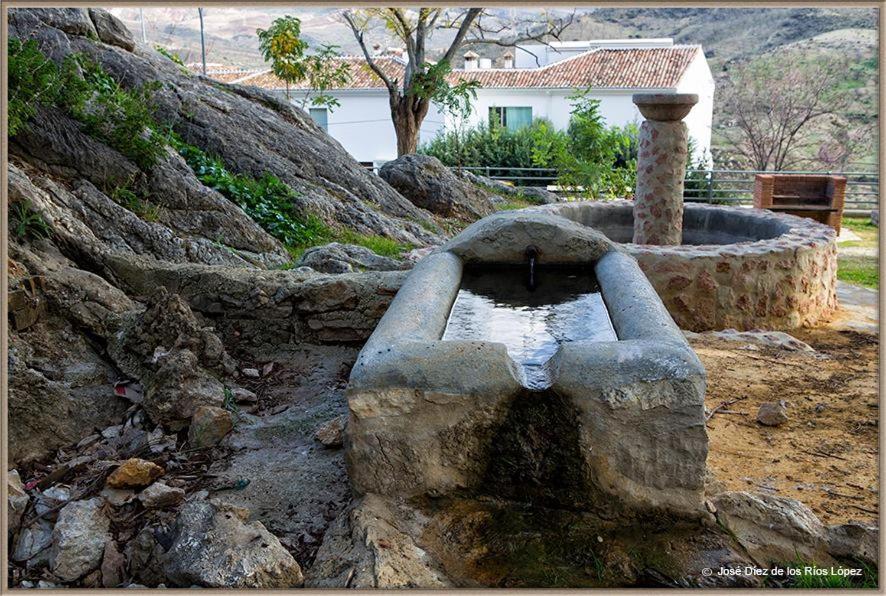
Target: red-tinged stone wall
(745, 269)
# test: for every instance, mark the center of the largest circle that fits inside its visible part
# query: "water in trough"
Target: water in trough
(498, 305)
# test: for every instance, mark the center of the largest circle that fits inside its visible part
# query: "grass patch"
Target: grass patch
(513, 204)
(380, 245)
(127, 198)
(862, 226)
(805, 575)
(863, 271)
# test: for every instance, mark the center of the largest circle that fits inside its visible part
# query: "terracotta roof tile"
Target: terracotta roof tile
(640, 68)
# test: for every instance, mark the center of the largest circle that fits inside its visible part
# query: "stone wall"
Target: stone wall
(744, 269)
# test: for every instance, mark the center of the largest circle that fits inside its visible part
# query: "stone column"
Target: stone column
(661, 165)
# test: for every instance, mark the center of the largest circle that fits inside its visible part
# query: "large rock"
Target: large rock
(78, 540)
(855, 541)
(429, 184)
(774, 530)
(110, 30)
(178, 359)
(347, 258)
(221, 119)
(533, 194)
(213, 546)
(367, 548)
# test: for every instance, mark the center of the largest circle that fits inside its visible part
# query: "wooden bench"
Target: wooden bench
(818, 197)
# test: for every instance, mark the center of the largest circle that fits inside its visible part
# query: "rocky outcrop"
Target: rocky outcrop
(251, 130)
(429, 184)
(774, 530)
(213, 546)
(347, 258)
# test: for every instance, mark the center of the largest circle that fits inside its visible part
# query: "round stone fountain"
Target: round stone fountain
(736, 268)
(714, 267)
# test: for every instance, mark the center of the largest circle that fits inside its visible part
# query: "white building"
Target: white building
(535, 85)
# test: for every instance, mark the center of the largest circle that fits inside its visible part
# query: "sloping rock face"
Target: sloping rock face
(252, 131)
(429, 184)
(346, 258)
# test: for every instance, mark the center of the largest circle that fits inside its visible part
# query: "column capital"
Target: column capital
(665, 107)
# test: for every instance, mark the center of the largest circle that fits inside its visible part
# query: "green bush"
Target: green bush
(589, 157)
(33, 81)
(267, 200)
(122, 118)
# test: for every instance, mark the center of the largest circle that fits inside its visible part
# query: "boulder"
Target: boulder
(346, 258)
(110, 30)
(772, 413)
(366, 547)
(332, 433)
(855, 541)
(178, 388)
(161, 496)
(78, 540)
(213, 546)
(134, 473)
(209, 425)
(428, 184)
(533, 194)
(774, 530)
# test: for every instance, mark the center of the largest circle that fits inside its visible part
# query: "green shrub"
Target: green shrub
(171, 56)
(25, 222)
(589, 157)
(145, 209)
(33, 81)
(122, 118)
(267, 200)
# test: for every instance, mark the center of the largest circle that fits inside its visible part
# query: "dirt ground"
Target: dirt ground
(826, 454)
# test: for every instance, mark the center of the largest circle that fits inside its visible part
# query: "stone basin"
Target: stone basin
(737, 268)
(617, 427)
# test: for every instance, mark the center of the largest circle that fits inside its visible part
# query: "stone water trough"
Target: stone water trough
(530, 359)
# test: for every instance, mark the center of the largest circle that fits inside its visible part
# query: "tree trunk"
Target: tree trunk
(407, 113)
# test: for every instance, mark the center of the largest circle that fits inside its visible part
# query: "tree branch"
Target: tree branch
(358, 34)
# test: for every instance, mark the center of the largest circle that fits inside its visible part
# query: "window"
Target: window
(319, 116)
(512, 118)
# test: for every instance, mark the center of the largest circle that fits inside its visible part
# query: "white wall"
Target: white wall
(616, 106)
(362, 124)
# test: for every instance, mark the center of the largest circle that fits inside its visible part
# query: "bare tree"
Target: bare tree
(425, 82)
(777, 107)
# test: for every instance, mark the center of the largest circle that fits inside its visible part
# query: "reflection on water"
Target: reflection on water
(496, 305)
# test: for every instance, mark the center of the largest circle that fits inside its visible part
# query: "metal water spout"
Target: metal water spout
(531, 255)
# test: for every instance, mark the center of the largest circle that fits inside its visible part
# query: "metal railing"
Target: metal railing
(704, 186)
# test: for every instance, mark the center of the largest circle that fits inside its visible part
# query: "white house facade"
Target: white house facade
(518, 91)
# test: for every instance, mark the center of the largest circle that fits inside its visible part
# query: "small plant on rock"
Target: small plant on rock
(26, 222)
(33, 82)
